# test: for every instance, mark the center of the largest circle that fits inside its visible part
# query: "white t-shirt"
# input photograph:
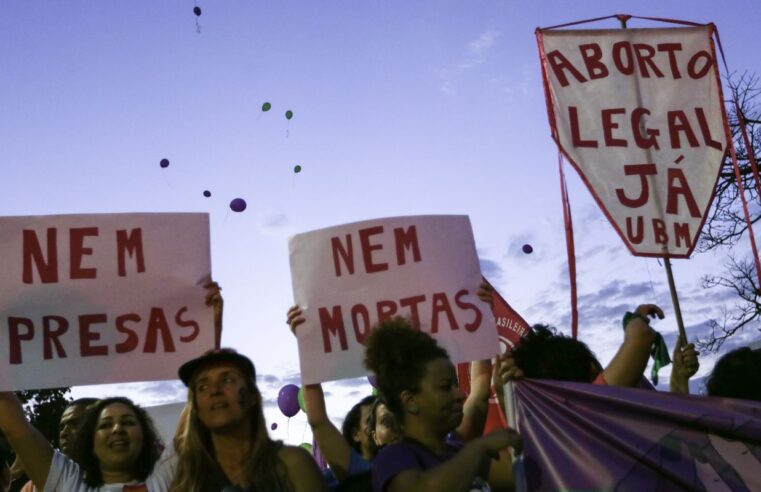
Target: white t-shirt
(66, 476)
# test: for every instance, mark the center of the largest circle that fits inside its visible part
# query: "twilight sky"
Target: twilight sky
(400, 108)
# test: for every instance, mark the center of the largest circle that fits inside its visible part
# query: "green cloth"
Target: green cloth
(658, 351)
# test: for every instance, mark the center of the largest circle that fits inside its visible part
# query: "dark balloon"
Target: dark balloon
(266, 106)
(288, 400)
(288, 114)
(273, 426)
(297, 169)
(164, 163)
(197, 11)
(206, 193)
(527, 249)
(238, 205)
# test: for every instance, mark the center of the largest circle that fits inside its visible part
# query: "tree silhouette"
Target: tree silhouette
(725, 225)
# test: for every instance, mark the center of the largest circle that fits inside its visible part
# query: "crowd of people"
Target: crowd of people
(420, 432)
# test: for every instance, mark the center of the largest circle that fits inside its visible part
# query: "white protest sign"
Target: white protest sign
(105, 298)
(639, 114)
(165, 418)
(347, 278)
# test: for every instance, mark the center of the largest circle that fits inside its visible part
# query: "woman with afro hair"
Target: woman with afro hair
(419, 384)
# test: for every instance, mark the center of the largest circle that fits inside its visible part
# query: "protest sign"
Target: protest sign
(103, 298)
(639, 114)
(347, 278)
(165, 418)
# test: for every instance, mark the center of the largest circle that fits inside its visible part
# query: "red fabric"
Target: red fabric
(600, 379)
(570, 248)
(511, 328)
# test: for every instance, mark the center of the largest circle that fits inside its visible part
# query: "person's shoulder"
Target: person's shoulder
(402, 451)
(294, 456)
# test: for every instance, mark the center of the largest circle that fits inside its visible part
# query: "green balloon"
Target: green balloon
(301, 400)
(266, 106)
(297, 169)
(306, 446)
(288, 114)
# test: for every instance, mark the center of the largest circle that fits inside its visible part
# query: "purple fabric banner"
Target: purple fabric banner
(583, 437)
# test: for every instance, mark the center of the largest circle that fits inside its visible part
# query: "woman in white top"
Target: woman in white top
(117, 446)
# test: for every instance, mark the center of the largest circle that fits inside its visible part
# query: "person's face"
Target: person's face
(440, 400)
(222, 396)
(362, 434)
(118, 438)
(386, 429)
(68, 425)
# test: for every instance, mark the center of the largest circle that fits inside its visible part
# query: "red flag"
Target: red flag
(511, 327)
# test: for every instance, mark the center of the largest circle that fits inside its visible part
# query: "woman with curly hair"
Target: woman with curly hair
(117, 446)
(225, 443)
(419, 385)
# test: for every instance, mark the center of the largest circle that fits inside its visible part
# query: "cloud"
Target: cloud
(272, 222)
(478, 50)
(476, 54)
(490, 269)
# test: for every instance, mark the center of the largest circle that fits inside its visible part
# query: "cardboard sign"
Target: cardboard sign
(87, 299)
(347, 278)
(639, 114)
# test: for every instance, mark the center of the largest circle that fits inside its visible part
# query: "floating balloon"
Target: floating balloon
(266, 106)
(164, 163)
(527, 249)
(300, 398)
(288, 400)
(238, 205)
(288, 114)
(297, 169)
(206, 193)
(372, 380)
(197, 11)
(273, 426)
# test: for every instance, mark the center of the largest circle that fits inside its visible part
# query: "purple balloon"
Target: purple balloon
(238, 205)
(288, 400)
(372, 380)
(164, 163)
(527, 249)
(273, 426)
(206, 193)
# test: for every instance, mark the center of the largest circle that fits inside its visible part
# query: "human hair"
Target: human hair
(737, 375)
(195, 449)
(544, 354)
(81, 402)
(83, 452)
(398, 354)
(352, 422)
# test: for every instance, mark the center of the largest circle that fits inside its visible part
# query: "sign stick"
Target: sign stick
(675, 299)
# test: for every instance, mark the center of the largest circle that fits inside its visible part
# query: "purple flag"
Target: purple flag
(594, 438)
